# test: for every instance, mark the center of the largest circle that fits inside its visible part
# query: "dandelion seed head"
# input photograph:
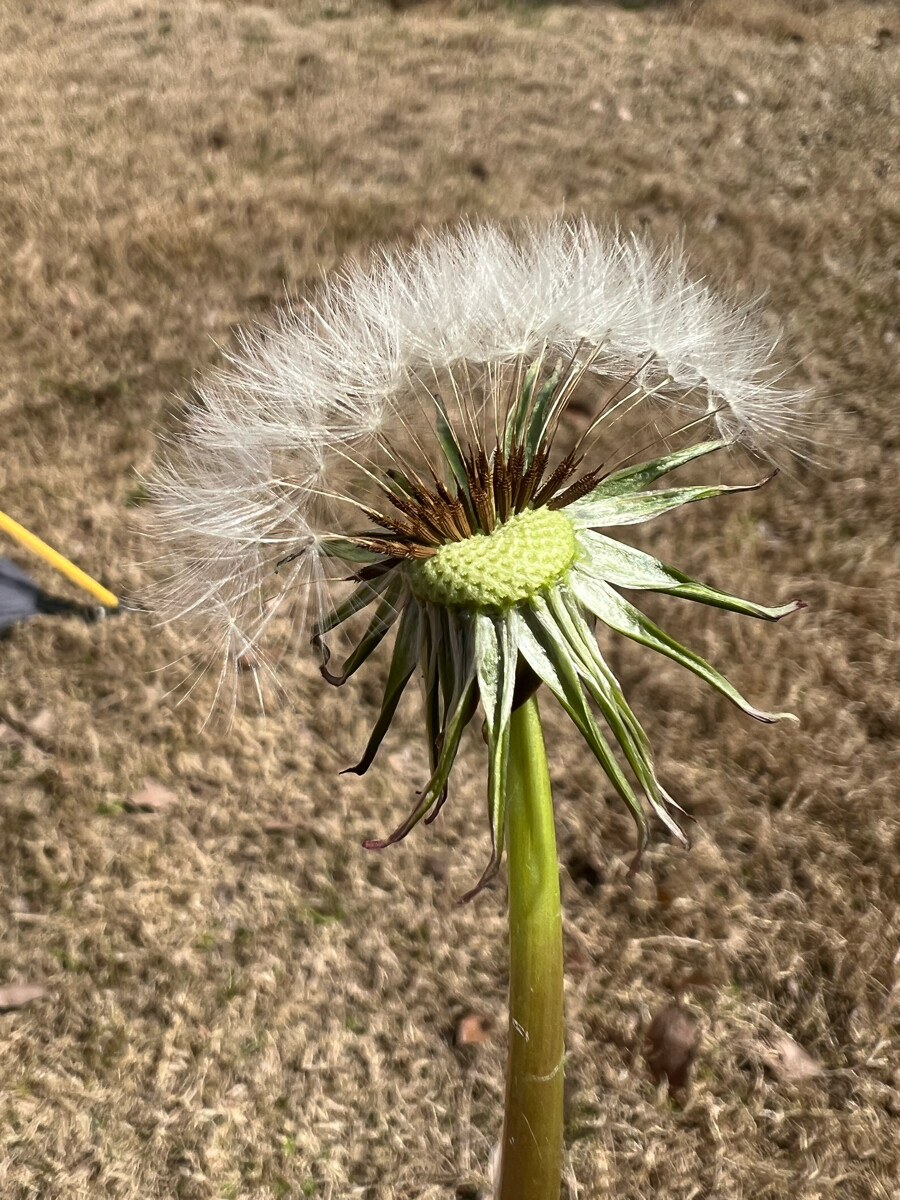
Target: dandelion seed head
(396, 456)
(290, 443)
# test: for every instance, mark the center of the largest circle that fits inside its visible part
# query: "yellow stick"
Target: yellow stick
(55, 559)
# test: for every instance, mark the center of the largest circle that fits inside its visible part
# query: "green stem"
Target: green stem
(531, 1161)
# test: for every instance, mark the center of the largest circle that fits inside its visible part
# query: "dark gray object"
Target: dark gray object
(21, 598)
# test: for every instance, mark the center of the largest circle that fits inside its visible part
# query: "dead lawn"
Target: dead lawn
(240, 1002)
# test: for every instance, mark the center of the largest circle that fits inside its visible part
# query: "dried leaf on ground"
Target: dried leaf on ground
(671, 1045)
(788, 1060)
(151, 797)
(282, 826)
(42, 725)
(17, 995)
(474, 1029)
(17, 730)
(9, 736)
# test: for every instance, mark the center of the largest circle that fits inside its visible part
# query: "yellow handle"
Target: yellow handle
(55, 559)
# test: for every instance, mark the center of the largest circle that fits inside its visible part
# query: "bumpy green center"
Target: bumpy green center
(497, 570)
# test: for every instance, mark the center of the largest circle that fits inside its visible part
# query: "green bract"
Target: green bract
(495, 576)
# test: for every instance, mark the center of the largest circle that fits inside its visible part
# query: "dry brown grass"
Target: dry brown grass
(240, 1001)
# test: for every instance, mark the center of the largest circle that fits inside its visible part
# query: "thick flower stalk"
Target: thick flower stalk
(401, 457)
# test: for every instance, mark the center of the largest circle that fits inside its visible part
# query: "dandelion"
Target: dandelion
(402, 456)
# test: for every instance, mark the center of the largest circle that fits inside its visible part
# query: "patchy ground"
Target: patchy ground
(239, 1001)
